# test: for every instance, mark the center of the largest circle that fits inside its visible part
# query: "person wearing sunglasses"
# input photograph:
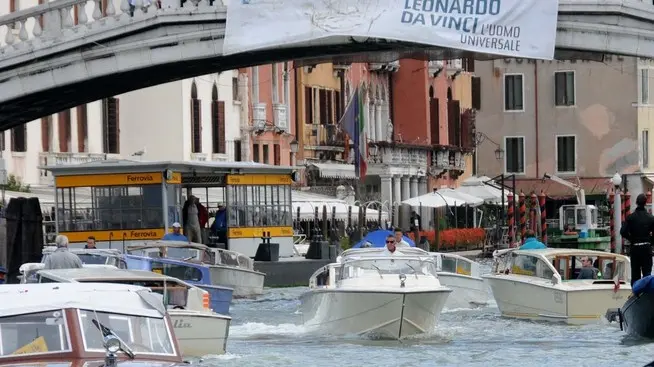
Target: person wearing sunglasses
(391, 246)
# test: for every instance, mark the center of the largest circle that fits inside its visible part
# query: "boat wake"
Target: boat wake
(261, 331)
(222, 357)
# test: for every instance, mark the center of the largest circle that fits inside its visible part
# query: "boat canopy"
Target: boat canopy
(21, 299)
(189, 251)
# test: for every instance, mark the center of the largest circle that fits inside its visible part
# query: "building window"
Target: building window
(196, 121)
(475, 86)
(566, 152)
(217, 122)
(645, 148)
(235, 88)
(514, 156)
(266, 154)
(19, 138)
(82, 129)
(46, 133)
(277, 155)
(63, 119)
(644, 86)
(513, 92)
(308, 105)
(564, 86)
(237, 151)
(111, 126)
(255, 153)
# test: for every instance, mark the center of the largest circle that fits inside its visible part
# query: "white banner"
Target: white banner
(515, 28)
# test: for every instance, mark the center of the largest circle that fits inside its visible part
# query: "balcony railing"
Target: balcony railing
(58, 159)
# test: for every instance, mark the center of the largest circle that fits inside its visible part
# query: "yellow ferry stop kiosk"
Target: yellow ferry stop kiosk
(125, 202)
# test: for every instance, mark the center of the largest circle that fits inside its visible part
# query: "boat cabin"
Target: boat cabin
(192, 273)
(564, 264)
(93, 256)
(41, 323)
(192, 252)
(577, 217)
(449, 263)
(456, 264)
(177, 294)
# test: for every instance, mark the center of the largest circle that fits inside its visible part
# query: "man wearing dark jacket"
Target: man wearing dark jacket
(637, 229)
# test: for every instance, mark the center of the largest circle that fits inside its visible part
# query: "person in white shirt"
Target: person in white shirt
(391, 249)
(400, 240)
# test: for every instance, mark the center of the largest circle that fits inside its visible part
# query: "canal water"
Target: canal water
(268, 332)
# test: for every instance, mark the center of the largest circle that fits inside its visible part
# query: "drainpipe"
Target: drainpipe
(298, 91)
(536, 115)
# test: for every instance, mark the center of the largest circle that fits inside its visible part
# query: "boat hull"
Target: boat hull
(389, 314)
(638, 315)
(200, 333)
(533, 301)
(468, 292)
(246, 283)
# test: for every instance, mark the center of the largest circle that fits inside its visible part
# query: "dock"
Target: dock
(290, 271)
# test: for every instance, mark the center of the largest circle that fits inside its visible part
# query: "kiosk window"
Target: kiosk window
(111, 207)
(259, 205)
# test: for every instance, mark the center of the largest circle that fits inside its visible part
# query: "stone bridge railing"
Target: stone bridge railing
(61, 20)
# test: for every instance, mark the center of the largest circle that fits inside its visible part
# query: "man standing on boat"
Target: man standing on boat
(191, 218)
(531, 242)
(176, 235)
(90, 243)
(61, 258)
(399, 239)
(637, 229)
(391, 248)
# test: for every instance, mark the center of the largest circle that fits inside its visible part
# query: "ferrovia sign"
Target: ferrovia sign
(514, 28)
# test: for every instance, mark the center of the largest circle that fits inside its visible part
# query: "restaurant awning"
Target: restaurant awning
(335, 170)
(591, 186)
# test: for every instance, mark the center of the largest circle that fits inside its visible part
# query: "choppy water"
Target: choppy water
(269, 332)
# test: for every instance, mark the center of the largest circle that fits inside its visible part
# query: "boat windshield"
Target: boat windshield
(232, 258)
(456, 265)
(383, 265)
(34, 333)
(144, 335)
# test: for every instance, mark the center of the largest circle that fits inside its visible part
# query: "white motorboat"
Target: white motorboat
(228, 268)
(199, 330)
(370, 294)
(456, 272)
(543, 285)
(463, 276)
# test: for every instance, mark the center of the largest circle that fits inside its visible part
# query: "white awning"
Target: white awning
(335, 170)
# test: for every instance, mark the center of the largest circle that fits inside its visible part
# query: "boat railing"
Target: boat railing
(380, 266)
(359, 252)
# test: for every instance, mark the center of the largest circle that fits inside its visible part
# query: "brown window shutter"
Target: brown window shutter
(82, 128)
(215, 134)
(465, 129)
(196, 133)
(45, 133)
(476, 92)
(112, 126)
(434, 117)
(451, 123)
(308, 105)
(330, 107)
(337, 101)
(63, 118)
(221, 127)
(277, 153)
(322, 104)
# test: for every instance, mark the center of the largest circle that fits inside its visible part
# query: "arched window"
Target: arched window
(217, 122)
(196, 120)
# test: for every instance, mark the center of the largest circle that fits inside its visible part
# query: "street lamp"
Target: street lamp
(616, 180)
(499, 153)
(294, 145)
